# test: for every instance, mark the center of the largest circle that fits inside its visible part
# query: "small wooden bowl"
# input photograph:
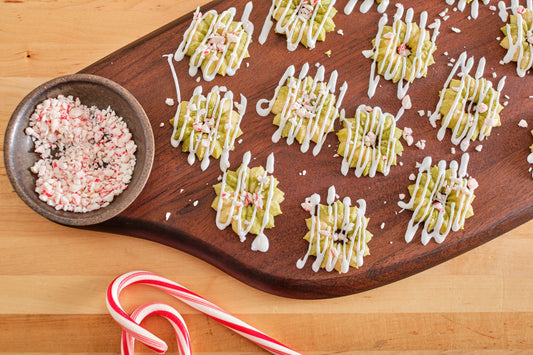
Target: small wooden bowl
(91, 90)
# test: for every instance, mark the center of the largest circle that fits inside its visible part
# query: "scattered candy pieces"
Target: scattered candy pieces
(328, 53)
(133, 330)
(167, 216)
(406, 102)
(421, 144)
(456, 30)
(169, 101)
(407, 135)
(522, 124)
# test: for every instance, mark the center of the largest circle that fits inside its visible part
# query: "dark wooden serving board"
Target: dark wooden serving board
(504, 198)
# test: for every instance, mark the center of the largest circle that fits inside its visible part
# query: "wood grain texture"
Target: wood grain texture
(185, 191)
(54, 278)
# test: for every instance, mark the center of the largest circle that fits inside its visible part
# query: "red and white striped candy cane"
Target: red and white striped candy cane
(188, 297)
(164, 310)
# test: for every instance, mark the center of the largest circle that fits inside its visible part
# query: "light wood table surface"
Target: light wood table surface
(53, 278)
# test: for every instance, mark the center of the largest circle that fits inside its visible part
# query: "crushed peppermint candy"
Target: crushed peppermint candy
(407, 135)
(195, 203)
(87, 155)
(401, 196)
(169, 101)
(382, 225)
(368, 53)
(162, 124)
(456, 30)
(479, 147)
(406, 102)
(421, 144)
(167, 216)
(522, 124)
(340, 32)
(412, 177)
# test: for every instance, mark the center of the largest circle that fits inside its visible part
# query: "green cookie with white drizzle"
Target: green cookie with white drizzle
(337, 233)
(302, 21)
(468, 105)
(216, 43)
(369, 142)
(403, 51)
(248, 199)
(208, 126)
(305, 107)
(518, 39)
(441, 199)
(475, 106)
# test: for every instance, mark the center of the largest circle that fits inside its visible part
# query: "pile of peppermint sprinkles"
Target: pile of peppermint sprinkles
(87, 154)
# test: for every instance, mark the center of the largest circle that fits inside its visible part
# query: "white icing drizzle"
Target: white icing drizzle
(305, 12)
(217, 42)
(517, 47)
(474, 6)
(435, 193)
(174, 76)
(209, 126)
(260, 243)
(373, 130)
(419, 66)
(349, 231)
(530, 161)
(365, 6)
(462, 67)
(502, 11)
(290, 116)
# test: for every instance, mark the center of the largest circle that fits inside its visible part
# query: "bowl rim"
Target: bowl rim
(75, 218)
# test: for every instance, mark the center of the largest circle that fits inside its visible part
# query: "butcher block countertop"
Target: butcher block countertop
(53, 279)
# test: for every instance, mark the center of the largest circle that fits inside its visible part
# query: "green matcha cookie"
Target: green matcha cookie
(302, 21)
(402, 56)
(208, 126)
(337, 233)
(216, 43)
(248, 199)
(369, 142)
(518, 39)
(472, 107)
(441, 200)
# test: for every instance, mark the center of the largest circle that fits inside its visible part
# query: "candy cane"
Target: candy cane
(182, 333)
(185, 295)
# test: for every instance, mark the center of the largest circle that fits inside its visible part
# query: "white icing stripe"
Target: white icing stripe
(209, 126)
(365, 6)
(219, 27)
(474, 6)
(353, 232)
(244, 226)
(174, 76)
(419, 66)
(375, 124)
(320, 109)
(424, 210)
(462, 68)
(516, 47)
(288, 24)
